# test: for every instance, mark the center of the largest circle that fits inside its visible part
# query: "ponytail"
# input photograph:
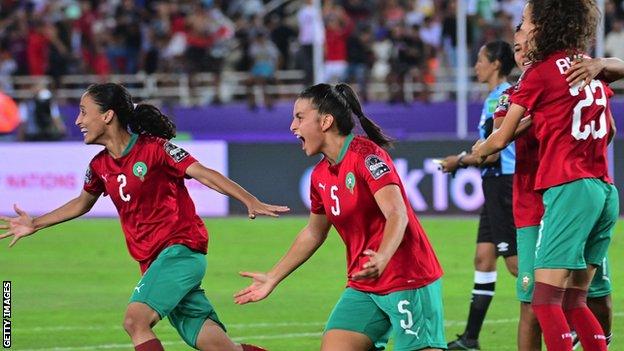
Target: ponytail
(142, 119)
(372, 129)
(147, 119)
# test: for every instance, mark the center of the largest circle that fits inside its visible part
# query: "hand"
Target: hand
(19, 227)
(260, 208)
(373, 268)
(450, 164)
(259, 289)
(476, 152)
(583, 70)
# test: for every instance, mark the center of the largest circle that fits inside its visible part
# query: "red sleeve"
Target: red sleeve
(529, 90)
(378, 170)
(316, 201)
(176, 158)
(93, 184)
(503, 104)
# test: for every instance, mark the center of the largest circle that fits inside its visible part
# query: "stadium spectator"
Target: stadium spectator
(496, 236)
(265, 57)
(360, 58)
(614, 41)
(311, 31)
(338, 28)
(41, 118)
(143, 174)
(407, 62)
(356, 188)
(282, 35)
(574, 236)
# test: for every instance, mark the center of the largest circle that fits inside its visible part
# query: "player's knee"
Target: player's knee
(484, 264)
(133, 324)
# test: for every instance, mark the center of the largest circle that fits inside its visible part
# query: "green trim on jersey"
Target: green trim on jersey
(345, 146)
(133, 139)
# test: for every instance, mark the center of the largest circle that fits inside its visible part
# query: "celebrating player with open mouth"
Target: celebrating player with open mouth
(394, 282)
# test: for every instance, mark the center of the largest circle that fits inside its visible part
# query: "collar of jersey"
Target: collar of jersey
(133, 139)
(345, 146)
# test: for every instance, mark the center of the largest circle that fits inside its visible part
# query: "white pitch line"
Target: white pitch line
(447, 323)
(237, 339)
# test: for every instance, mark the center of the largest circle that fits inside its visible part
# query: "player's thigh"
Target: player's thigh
(600, 236)
(570, 213)
(213, 337)
(526, 239)
(417, 317)
(191, 316)
(176, 271)
(356, 312)
(345, 340)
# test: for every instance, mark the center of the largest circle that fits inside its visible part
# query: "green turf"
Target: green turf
(71, 284)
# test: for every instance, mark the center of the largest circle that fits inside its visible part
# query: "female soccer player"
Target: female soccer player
(393, 274)
(144, 175)
(497, 233)
(528, 207)
(580, 201)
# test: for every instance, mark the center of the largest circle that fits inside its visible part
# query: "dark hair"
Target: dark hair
(502, 52)
(341, 101)
(142, 119)
(562, 25)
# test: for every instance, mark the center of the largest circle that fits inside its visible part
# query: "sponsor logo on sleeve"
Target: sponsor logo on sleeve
(376, 166)
(175, 152)
(88, 175)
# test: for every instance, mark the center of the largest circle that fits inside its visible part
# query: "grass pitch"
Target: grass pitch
(71, 283)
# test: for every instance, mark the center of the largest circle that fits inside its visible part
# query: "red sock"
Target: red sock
(247, 347)
(583, 320)
(547, 307)
(150, 345)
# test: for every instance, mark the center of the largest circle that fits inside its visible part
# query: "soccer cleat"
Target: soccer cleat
(463, 343)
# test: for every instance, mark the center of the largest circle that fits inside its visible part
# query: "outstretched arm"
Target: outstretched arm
(310, 238)
(24, 225)
(226, 186)
(392, 206)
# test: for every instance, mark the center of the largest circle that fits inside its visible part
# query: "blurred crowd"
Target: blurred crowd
(388, 41)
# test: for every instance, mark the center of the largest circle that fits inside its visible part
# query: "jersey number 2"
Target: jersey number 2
(122, 184)
(589, 100)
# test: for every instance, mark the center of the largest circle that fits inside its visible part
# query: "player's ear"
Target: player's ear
(327, 120)
(108, 116)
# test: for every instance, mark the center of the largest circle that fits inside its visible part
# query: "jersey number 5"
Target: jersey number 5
(336, 207)
(122, 184)
(589, 100)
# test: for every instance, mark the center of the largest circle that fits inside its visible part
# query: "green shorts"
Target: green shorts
(601, 284)
(171, 287)
(414, 317)
(527, 238)
(577, 223)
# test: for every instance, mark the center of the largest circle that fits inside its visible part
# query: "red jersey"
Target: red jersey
(528, 207)
(570, 124)
(146, 184)
(344, 192)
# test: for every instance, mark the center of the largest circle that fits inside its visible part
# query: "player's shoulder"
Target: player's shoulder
(362, 147)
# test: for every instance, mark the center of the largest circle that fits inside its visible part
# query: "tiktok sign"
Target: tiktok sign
(428, 189)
